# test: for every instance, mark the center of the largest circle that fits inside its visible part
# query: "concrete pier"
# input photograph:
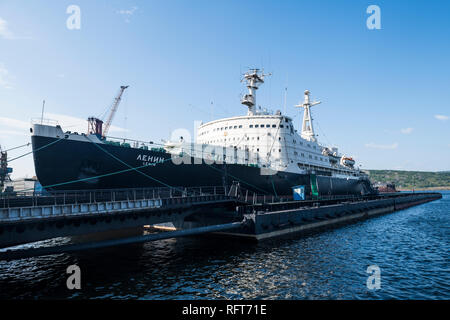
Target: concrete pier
(45, 219)
(190, 215)
(269, 224)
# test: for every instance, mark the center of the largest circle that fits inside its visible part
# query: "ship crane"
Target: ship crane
(96, 125)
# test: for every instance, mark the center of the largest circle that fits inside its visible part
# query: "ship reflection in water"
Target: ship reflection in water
(411, 247)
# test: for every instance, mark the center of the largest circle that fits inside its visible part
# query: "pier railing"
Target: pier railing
(31, 199)
(27, 199)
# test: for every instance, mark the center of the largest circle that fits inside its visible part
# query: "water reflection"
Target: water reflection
(411, 247)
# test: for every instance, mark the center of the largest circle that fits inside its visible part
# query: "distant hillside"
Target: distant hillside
(411, 179)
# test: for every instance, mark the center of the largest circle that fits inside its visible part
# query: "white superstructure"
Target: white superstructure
(271, 140)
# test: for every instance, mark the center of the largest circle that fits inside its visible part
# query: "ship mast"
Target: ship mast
(307, 125)
(253, 78)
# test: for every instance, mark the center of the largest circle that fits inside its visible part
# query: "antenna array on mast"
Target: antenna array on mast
(253, 78)
(307, 125)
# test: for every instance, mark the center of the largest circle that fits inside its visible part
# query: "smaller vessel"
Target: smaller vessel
(386, 188)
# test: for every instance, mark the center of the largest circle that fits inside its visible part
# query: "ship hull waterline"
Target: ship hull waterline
(77, 165)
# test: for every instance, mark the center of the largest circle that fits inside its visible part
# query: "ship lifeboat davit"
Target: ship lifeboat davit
(347, 161)
(332, 154)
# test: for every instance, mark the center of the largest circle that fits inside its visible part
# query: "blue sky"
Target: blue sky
(385, 93)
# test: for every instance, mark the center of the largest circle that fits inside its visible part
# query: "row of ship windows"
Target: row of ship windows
(279, 150)
(310, 156)
(257, 138)
(301, 143)
(250, 126)
(309, 166)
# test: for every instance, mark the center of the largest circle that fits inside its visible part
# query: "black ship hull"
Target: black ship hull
(76, 165)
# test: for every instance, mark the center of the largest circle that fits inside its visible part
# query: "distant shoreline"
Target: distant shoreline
(426, 189)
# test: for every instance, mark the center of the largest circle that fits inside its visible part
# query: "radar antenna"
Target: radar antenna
(254, 78)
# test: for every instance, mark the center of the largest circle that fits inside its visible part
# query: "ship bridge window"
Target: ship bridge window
(285, 119)
(281, 126)
(256, 125)
(235, 127)
(274, 126)
(310, 156)
(251, 126)
(267, 125)
(240, 126)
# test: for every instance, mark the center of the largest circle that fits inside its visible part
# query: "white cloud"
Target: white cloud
(5, 33)
(441, 117)
(407, 130)
(382, 146)
(14, 123)
(4, 77)
(127, 13)
(67, 123)
(5, 133)
(76, 124)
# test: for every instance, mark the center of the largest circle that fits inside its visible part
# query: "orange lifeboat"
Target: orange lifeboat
(347, 161)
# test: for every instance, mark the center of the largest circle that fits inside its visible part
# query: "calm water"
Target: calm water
(411, 247)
